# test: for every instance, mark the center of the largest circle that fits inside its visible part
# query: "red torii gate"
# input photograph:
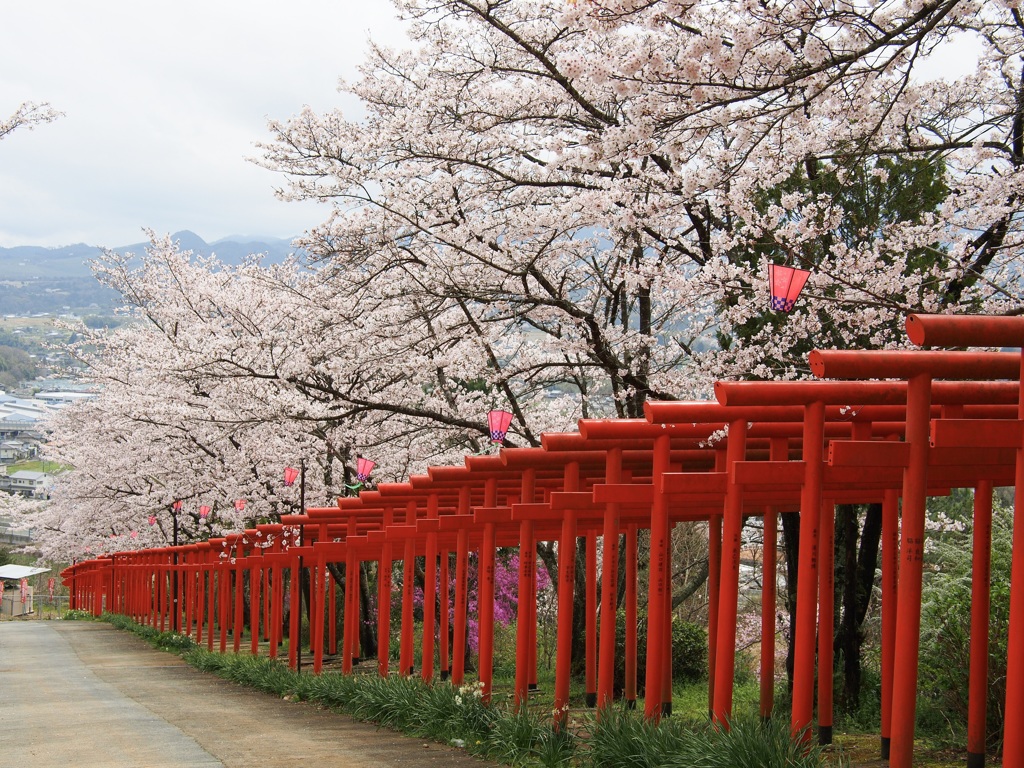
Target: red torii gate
(619, 476)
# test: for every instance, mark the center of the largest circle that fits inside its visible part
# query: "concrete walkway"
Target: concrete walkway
(84, 694)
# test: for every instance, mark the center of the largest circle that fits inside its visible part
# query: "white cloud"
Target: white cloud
(163, 103)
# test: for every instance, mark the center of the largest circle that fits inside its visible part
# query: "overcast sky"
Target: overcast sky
(163, 102)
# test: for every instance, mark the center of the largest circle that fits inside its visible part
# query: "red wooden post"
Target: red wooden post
(666, 659)
(485, 587)
(807, 578)
(609, 582)
(317, 574)
(826, 619)
(566, 586)
(332, 614)
(714, 574)
(461, 571)
(165, 595)
(728, 600)
(148, 588)
(1013, 721)
(225, 603)
(97, 594)
(384, 601)
(405, 655)
(188, 587)
(196, 584)
(980, 581)
(766, 698)
(255, 601)
(444, 580)
(268, 603)
(908, 608)
(532, 625)
(144, 582)
(140, 589)
(357, 611)
(890, 568)
(658, 583)
(590, 665)
(211, 594)
(237, 620)
(167, 616)
(778, 451)
(527, 576)
(275, 585)
(200, 594)
(430, 593)
(351, 627)
(353, 573)
(629, 691)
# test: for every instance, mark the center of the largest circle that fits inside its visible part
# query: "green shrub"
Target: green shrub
(689, 651)
(555, 748)
(515, 737)
(77, 614)
(623, 738)
(173, 641)
(747, 743)
(945, 635)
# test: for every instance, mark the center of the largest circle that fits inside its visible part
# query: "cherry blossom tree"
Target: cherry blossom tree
(598, 174)
(27, 116)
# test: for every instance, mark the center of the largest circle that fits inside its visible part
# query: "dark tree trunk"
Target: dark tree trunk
(337, 571)
(791, 543)
(856, 552)
(367, 627)
(579, 609)
(856, 562)
(579, 598)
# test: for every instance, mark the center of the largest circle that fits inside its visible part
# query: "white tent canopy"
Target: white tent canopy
(20, 571)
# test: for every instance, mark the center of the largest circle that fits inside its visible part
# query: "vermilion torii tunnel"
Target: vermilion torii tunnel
(889, 427)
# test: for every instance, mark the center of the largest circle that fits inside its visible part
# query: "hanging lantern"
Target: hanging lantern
(239, 505)
(363, 469)
(204, 511)
(290, 473)
(152, 519)
(497, 422)
(176, 506)
(785, 284)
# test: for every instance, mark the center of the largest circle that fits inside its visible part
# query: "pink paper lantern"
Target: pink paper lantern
(152, 519)
(204, 511)
(497, 422)
(290, 473)
(239, 505)
(785, 284)
(363, 469)
(176, 506)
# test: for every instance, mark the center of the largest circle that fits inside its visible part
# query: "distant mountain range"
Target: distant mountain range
(33, 262)
(34, 279)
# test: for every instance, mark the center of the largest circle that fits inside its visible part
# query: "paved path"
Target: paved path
(83, 694)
